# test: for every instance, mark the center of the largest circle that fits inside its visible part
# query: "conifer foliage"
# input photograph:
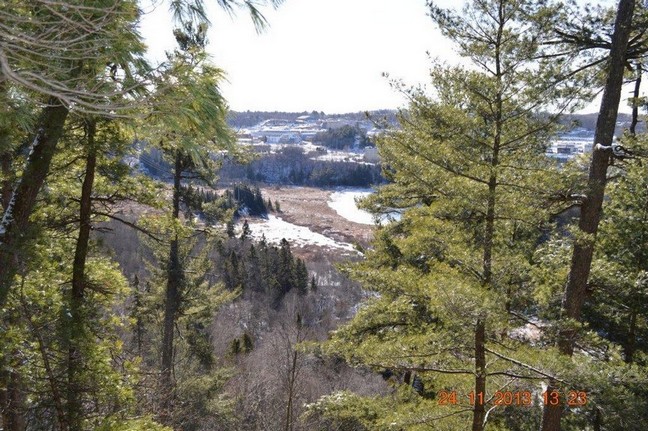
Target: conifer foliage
(452, 276)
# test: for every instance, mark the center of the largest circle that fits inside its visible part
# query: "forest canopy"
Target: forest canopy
(509, 294)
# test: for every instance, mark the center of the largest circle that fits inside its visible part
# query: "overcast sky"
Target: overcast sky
(324, 55)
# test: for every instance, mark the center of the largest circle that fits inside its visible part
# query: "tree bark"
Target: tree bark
(15, 220)
(479, 410)
(635, 102)
(5, 165)
(575, 290)
(592, 205)
(6, 156)
(630, 344)
(76, 329)
(12, 401)
(291, 392)
(172, 304)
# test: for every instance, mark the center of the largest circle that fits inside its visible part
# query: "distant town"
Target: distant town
(265, 130)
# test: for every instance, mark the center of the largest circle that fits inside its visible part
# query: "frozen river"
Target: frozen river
(344, 203)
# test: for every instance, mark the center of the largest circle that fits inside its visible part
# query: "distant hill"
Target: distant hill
(588, 121)
(244, 119)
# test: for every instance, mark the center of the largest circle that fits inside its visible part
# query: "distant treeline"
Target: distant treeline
(239, 120)
(588, 121)
(243, 199)
(343, 137)
(292, 166)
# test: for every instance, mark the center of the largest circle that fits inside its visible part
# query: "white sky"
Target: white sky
(324, 55)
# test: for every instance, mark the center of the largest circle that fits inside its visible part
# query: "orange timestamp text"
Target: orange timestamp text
(514, 398)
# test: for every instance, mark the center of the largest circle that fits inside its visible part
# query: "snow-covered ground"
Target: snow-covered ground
(344, 203)
(275, 229)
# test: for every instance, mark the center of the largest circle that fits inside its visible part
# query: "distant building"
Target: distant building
(571, 144)
(285, 132)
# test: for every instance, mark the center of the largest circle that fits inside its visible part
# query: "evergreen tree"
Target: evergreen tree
(469, 170)
(592, 201)
(59, 78)
(187, 137)
(246, 232)
(301, 277)
(313, 284)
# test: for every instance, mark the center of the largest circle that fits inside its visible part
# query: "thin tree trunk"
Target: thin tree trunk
(629, 346)
(172, 304)
(5, 157)
(479, 411)
(635, 102)
(15, 220)
(76, 387)
(49, 372)
(5, 166)
(291, 392)
(139, 324)
(591, 208)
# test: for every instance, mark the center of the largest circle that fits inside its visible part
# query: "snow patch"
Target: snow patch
(344, 203)
(275, 229)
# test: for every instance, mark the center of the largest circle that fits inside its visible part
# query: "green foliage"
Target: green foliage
(108, 50)
(198, 380)
(145, 424)
(619, 279)
(269, 270)
(39, 322)
(63, 345)
(475, 190)
(343, 137)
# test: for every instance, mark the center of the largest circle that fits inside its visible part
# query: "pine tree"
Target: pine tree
(469, 170)
(591, 204)
(186, 138)
(301, 277)
(246, 232)
(313, 284)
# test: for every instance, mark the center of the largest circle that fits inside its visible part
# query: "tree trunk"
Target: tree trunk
(551, 413)
(6, 156)
(15, 220)
(139, 323)
(630, 344)
(591, 208)
(12, 401)
(76, 329)
(635, 102)
(5, 166)
(172, 304)
(51, 378)
(479, 411)
(291, 392)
